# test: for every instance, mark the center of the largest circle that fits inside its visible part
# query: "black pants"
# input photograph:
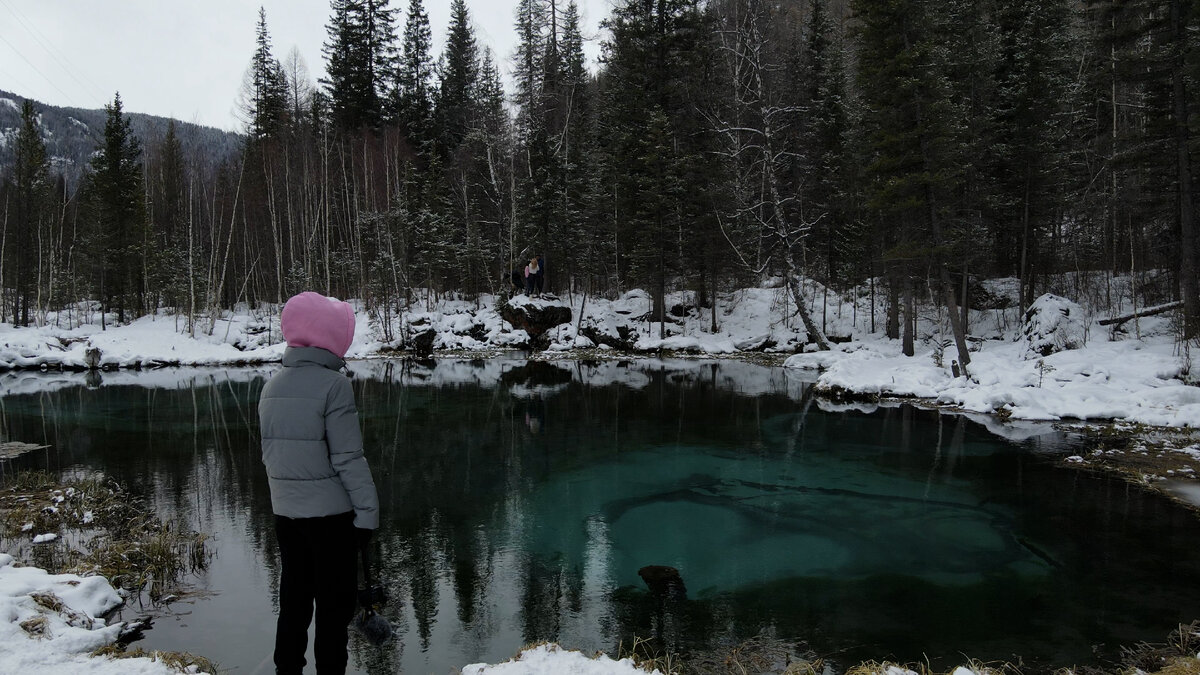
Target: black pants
(318, 559)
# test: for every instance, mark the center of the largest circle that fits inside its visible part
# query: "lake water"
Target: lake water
(520, 500)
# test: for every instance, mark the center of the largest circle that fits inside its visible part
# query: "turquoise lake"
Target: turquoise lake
(520, 499)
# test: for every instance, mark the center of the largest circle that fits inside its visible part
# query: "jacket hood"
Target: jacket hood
(313, 320)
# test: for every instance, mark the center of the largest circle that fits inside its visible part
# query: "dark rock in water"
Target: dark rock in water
(422, 343)
(133, 631)
(535, 317)
(664, 582)
(373, 627)
(536, 373)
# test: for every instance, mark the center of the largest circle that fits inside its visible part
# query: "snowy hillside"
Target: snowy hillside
(72, 134)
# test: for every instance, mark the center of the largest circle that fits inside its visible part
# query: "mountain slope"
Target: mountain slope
(72, 135)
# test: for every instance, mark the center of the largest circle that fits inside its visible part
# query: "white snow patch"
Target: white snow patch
(60, 641)
(552, 659)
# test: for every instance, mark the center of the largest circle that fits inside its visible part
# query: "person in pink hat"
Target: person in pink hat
(322, 493)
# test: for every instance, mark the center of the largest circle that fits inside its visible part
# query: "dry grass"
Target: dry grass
(1182, 666)
(648, 657)
(1178, 656)
(181, 661)
(48, 600)
(122, 538)
(38, 626)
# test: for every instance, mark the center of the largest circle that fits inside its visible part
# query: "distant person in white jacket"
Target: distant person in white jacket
(531, 276)
(322, 492)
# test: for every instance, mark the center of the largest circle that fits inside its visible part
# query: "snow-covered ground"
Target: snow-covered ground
(51, 622)
(1140, 379)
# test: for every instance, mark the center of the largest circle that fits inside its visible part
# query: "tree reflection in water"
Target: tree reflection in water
(520, 499)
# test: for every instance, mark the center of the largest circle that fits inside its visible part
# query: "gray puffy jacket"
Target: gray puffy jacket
(311, 442)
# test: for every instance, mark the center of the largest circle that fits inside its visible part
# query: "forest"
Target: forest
(901, 146)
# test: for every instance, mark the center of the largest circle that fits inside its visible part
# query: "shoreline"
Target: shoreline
(1164, 459)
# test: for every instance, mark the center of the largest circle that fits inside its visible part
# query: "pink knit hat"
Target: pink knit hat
(313, 320)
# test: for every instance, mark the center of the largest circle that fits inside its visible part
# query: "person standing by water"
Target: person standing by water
(531, 276)
(324, 499)
(540, 277)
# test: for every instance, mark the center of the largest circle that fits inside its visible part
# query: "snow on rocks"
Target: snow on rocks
(1129, 380)
(49, 623)
(1053, 324)
(535, 316)
(551, 659)
(1048, 363)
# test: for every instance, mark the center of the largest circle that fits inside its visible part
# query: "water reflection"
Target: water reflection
(521, 499)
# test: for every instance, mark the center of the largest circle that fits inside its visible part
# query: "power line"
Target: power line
(36, 69)
(39, 35)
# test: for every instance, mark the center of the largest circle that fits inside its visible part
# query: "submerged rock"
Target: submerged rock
(664, 582)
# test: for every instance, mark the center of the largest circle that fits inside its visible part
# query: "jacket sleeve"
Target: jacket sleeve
(346, 454)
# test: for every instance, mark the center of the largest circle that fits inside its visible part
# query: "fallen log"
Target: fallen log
(1148, 311)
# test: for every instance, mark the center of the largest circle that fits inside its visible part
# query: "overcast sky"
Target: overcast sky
(186, 58)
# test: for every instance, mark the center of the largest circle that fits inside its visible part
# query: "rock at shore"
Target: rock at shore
(535, 316)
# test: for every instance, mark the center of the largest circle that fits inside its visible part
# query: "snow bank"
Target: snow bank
(1130, 380)
(551, 659)
(49, 623)
(1086, 372)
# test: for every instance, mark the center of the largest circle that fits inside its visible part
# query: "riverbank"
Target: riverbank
(1131, 390)
(78, 550)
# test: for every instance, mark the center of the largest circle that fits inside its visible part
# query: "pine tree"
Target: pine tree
(913, 128)
(360, 61)
(654, 90)
(493, 151)
(1137, 98)
(31, 178)
(413, 96)
(1033, 80)
(531, 26)
(116, 196)
(168, 220)
(577, 152)
(459, 79)
(823, 144)
(266, 90)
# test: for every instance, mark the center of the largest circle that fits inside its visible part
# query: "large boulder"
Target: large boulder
(1053, 324)
(535, 316)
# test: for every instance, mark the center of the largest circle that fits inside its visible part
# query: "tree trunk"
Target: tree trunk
(910, 319)
(892, 323)
(1189, 286)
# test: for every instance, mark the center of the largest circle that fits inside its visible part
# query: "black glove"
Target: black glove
(362, 536)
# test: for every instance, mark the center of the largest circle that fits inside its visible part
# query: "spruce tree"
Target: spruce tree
(168, 207)
(360, 61)
(459, 79)
(265, 93)
(822, 139)
(413, 96)
(116, 196)
(1031, 124)
(654, 62)
(31, 179)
